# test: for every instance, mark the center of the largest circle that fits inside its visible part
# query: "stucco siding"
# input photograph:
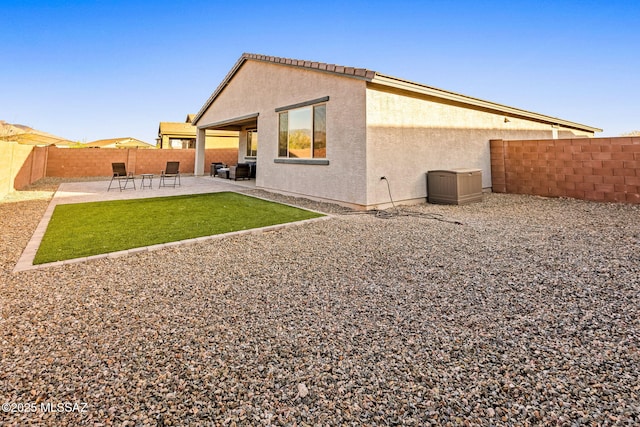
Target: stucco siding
(408, 136)
(260, 87)
(375, 126)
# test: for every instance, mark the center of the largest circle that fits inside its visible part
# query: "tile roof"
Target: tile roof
(320, 66)
(29, 138)
(176, 128)
(361, 73)
(387, 81)
(26, 135)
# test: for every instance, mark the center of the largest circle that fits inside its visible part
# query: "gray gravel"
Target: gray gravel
(526, 313)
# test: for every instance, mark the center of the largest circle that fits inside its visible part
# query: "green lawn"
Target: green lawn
(85, 229)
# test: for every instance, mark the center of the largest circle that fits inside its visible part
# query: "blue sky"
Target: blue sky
(88, 70)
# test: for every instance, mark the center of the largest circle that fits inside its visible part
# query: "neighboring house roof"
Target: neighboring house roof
(37, 139)
(187, 129)
(383, 80)
(25, 135)
(177, 129)
(118, 143)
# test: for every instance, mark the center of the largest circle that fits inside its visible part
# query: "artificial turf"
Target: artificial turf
(85, 229)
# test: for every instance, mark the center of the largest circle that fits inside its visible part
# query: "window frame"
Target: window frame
(284, 118)
(249, 152)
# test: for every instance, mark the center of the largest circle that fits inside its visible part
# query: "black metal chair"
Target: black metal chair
(170, 172)
(120, 174)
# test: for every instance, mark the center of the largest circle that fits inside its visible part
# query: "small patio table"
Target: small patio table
(146, 177)
(223, 173)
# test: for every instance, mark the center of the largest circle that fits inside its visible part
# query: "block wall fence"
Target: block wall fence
(599, 169)
(19, 166)
(26, 164)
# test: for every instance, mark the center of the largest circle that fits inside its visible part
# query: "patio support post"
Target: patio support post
(200, 146)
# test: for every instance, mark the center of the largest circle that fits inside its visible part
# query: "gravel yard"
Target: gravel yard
(526, 313)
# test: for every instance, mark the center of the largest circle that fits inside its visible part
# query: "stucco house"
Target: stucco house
(330, 132)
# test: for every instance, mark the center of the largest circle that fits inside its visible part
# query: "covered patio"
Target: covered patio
(247, 128)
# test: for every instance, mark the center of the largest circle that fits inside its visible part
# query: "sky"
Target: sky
(88, 70)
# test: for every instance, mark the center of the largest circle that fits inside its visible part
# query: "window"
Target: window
(182, 143)
(303, 132)
(252, 143)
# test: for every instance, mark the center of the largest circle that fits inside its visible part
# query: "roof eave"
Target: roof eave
(351, 72)
(219, 89)
(392, 82)
(406, 85)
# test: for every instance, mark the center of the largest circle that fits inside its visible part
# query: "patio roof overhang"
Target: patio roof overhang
(236, 124)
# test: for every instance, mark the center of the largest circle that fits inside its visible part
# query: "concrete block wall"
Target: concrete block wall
(71, 162)
(63, 162)
(22, 165)
(32, 169)
(599, 169)
(228, 156)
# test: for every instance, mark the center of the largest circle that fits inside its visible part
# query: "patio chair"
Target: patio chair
(120, 174)
(239, 171)
(214, 168)
(252, 169)
(170, 172)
